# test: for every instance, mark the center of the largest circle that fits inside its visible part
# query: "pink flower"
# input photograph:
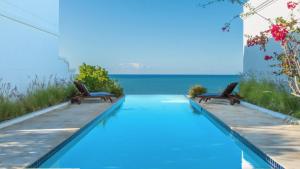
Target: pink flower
(267, 57)
(292, 5)
(279, 32)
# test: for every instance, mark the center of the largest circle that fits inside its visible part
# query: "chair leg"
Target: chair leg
(234, 100)
(73, 100)
(231, 101)
(76, 99)
(200, 100)
(107, 98)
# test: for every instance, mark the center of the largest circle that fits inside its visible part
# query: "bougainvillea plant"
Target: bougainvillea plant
(286, 33)
(283, 31)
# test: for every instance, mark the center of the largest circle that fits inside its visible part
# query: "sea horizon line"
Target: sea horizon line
(113, 74)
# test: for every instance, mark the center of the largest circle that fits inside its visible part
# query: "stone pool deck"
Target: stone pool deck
(24, 143)
(275, 137)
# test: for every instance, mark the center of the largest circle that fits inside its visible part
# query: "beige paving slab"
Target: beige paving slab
(273, 136)
(23, 143)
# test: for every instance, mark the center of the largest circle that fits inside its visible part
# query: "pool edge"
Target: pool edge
(255, 149)
(50, 153)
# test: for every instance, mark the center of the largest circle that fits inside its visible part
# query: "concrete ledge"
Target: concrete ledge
(287, 118)
(32, 115)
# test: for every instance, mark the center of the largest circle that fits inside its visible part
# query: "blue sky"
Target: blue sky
(151, 36)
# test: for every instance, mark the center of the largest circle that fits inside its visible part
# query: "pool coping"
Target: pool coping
(291, 120)
(234, 133)
(50, 153)
(33, 114)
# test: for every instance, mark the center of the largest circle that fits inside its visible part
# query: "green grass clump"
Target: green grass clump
(39, 95)
(197, 90)
(270, 94)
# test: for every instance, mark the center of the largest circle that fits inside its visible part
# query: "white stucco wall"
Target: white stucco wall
(29, 41)
(254, 58)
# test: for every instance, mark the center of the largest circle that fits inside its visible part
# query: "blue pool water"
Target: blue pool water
(172, 84)
(155, 132)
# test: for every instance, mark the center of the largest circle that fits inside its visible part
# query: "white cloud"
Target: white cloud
(133, 65)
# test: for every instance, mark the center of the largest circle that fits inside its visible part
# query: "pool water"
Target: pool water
(155, 132)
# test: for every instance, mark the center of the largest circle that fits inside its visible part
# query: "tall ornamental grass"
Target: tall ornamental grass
(269, 94)
(40, 94)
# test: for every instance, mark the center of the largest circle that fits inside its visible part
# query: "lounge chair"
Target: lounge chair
(226, 94)
(84, 93)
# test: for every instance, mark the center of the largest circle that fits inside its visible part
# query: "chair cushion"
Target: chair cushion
(95, 94)
(209, 94)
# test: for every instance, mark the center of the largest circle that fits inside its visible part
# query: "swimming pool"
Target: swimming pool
(155, 132)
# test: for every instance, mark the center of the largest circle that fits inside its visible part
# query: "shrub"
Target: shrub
(94, 77)
(39, 95)
(116, 89)
(269, 94)
(196, 90)
(97, 79)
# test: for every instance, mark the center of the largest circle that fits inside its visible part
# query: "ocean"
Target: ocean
(172, 84)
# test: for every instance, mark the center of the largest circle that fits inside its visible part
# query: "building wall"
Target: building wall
(29, 41)
(254, 58)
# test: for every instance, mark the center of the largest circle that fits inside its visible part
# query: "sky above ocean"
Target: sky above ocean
(151, 36)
